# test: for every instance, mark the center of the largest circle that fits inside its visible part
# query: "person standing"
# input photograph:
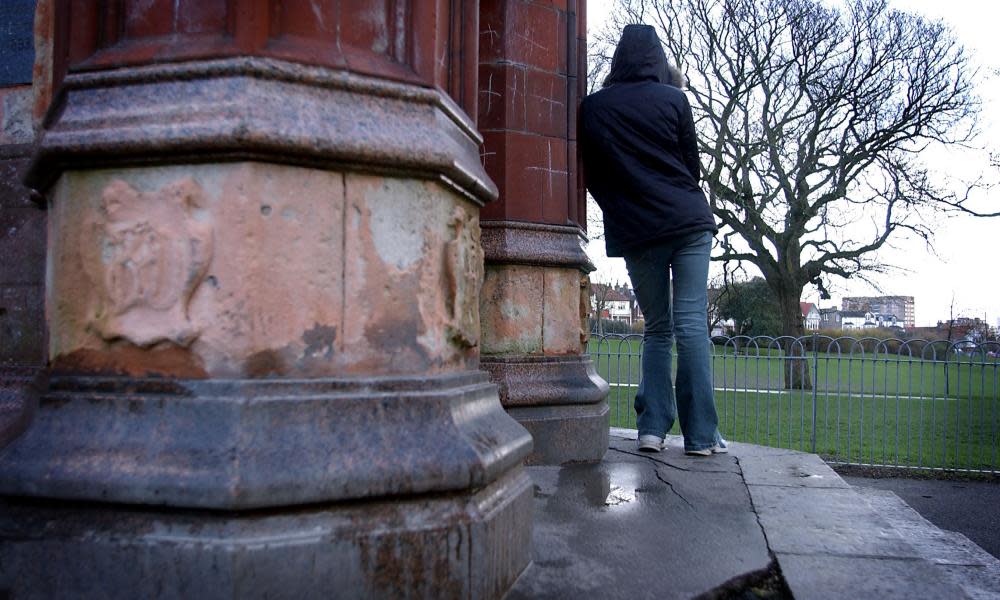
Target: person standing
(640, 160)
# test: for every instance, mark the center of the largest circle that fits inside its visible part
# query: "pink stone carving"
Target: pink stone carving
(145, 253)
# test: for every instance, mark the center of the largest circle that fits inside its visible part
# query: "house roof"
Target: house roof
(610, 293)
(616, 296)
(806, 308)
(853, 314)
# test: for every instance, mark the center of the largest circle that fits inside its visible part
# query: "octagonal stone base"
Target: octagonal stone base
(565, 434)
(439, 546)
(560, 400)
(332, 487)
(256, 444)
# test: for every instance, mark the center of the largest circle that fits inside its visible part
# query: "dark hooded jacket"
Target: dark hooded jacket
(640, 153)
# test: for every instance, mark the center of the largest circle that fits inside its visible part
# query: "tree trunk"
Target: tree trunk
(796, 364)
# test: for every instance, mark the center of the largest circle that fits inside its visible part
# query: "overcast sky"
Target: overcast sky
(966, 265)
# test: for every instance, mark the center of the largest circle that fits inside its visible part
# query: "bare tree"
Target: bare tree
(600, 293)
(812, 119)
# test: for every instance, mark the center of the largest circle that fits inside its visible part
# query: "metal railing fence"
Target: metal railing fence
(864, 401)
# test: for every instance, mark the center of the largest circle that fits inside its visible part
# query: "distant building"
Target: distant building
(857, 319)
(810, 316)
(829, 318)
(885, 321)
(971, 329)
(900, 306)
(615, 303)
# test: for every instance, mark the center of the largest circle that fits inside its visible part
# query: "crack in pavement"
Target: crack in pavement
(665, 481)
(756, 515)
(647, 456)
(675, 492)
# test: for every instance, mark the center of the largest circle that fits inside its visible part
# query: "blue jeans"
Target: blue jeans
(682, 317)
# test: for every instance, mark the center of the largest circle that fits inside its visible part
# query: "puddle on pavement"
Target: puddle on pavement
(619, 495)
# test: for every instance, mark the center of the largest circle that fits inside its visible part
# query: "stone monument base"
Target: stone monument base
(560, 400)
(434, 546)
(565, 434)
(272, 488)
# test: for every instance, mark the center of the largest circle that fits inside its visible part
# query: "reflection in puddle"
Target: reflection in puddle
(618, 496)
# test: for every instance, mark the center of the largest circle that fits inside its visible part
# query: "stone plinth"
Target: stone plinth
(534, 301)
(263, 270)
(22, 266)
(22, 277)
(534, 314)
(451, 546)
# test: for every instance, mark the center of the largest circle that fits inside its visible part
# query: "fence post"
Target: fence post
(815, 385)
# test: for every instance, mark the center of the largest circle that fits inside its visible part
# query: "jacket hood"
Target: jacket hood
(638, 57)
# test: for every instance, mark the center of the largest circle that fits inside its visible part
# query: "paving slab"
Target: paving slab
(825, 577)
(667, 525)
(967, 506)
(827, 539)
(785, 468)
(830, 521)
(962, 561)
(638, 526)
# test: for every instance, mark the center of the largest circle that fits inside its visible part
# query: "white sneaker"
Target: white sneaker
(651, 443)
(716, 449)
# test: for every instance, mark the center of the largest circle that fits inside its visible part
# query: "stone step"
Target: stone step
(829, 542)
(963, 562)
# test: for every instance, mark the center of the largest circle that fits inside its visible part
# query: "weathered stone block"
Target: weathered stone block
(195, 270)
(512, 307)
(562, 312)
(413, 267)
(244, 270)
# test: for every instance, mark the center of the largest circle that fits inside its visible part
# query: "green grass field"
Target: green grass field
(873, 409)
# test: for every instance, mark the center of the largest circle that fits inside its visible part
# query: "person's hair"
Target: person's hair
(675, 77)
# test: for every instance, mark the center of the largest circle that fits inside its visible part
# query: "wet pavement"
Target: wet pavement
(667, 525)
(637, 526)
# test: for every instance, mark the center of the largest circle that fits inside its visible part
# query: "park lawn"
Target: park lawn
(920, 432)
(618, 361)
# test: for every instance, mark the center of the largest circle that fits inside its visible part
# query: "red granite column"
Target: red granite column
(534, 302)
(263, 271)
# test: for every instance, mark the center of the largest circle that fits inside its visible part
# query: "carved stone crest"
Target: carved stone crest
(145, 253)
